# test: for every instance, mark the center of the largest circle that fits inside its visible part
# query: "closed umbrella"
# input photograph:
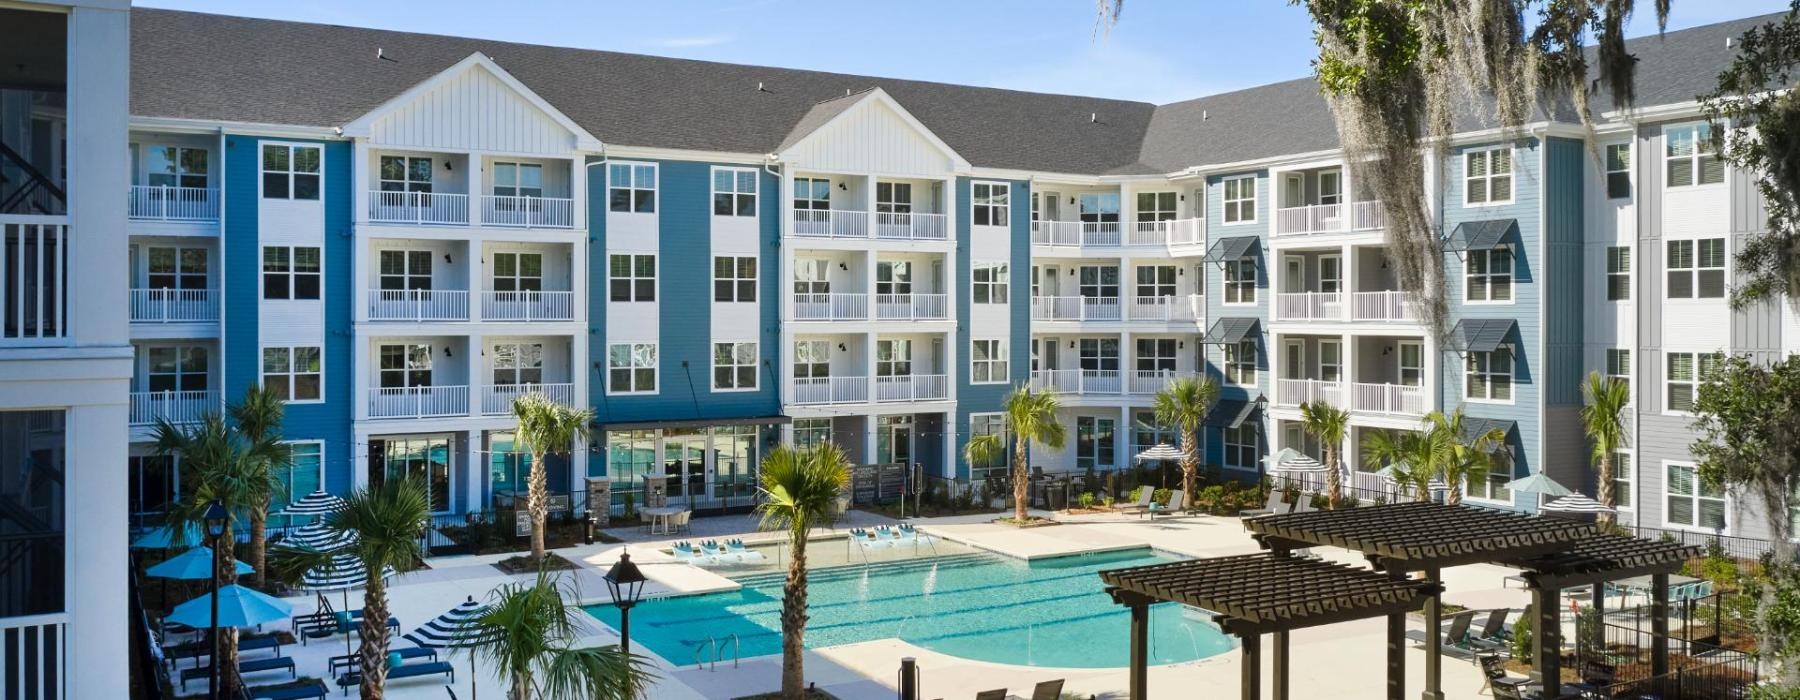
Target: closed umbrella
(1576, 503)
(192, 565)
(239, 606)
(456, 629)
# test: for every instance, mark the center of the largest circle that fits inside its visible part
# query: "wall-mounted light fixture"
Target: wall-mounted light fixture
(841, 348)
(1071, 345)
(447, 351)
(447, 165)
(446, 257)
(842, 188)
(843, 266)
(1071, 200)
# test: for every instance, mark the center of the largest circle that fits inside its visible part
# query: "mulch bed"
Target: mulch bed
(524, 564)
(1030, 522)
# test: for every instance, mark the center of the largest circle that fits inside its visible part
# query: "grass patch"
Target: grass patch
(524, 564)
(1028, 522)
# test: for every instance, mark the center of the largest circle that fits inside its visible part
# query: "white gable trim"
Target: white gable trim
(362, 126)
(873, 96)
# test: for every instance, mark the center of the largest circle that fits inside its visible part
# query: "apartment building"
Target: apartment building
(402, 232)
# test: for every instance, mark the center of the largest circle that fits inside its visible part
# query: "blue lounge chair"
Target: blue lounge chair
(312, 691)
(274, 663)
(343, 663)
(429, 668)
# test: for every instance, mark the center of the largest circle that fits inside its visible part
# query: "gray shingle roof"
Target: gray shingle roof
(1480, 235)
(1481, 334)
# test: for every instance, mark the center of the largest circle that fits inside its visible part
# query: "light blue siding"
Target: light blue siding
(987, 398)
(1214, 355)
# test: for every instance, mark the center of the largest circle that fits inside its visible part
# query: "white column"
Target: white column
(950, 453)
(872, 423)
(359, 251)
(359, 453)
(474, 481)
(868, 204)
(475, 270)
(1122, 437)
(97, 530)
(360, 351)
(475, 368)
(98, 178)
(1348, 357)
(785, 310)
(578, 191)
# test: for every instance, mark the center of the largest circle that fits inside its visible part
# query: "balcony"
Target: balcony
(912, 387)
(527, 212)
(1328, 218)
(912, 227)
(155, 203)
(1388, 398)
(1188, 308)
(1146, 382)
(419, 402)
(1173, 232)
(823, 391)
(831, 223)
(418, 208)
(887, 226)
(1075, 309)
(912, 307)
(1293, 392)
(527, 307)
(1096, 234)
(831, 307)
(497, 400)
(1078, 381)
(1381, 306)
(174, 305)
(178, 407)
(1309, 306)
(418, 305)
(33, 291)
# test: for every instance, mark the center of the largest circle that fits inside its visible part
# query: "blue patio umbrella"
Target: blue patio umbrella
(170, 537)
(238, 607)
(194, 564)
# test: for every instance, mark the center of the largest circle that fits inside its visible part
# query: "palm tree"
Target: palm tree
(799, 489)
(387, 523)
(545, 426)
(527, 632)
(1030, 417)
(1413, 455)
(1462, 455)
(1603, 415)
(1183, 405)
(1328, 424)
(258, 418)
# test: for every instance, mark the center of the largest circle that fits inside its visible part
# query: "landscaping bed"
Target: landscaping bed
(524, 564)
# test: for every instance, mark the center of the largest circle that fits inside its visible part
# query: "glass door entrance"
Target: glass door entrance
(894, 440)
(684, 460)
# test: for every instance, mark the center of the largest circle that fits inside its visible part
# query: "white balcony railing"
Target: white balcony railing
(418, 305)
(1075, 309)
(912, 226)
(1309, 306)
(1388, 398)
(1381, 306)
(35, 647)
(418, 208)
(830, 390)
(1187, 231)
(527, 212)
(1185, 308)
(1150, 382)
(419, 402)
(912, 387)
(1087, 234)
(1078, 381)
(174, 305)
(911, 307)
(148, 407)
(527, 306)
(1365, 216)
(154, 203)
(1293, 392)
(1328, 218)
(33, 279)
(831, 307)
(831, 223)
(497, 399)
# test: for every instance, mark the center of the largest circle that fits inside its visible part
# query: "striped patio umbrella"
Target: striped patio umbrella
(1300, 464)
(342, 573)
(455, 629)
(1576, 502)
(319, 538)
(316, 503)
(1160, 452)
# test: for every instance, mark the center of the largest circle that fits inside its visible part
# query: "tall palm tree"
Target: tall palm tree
(1030, 417)
(528, 631)
(1329, 424)
(387, 523)
(799, 489)
(1183, 405)
(545, 426)
(1603, 415)
(258, 418)
(1462, 455)
(1413, 455)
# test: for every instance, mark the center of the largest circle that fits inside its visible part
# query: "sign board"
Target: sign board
(559, 503)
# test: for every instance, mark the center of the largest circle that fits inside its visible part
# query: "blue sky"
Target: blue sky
(1160, 52)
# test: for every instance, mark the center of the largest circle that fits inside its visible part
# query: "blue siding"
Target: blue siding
(1564, 321)
(1214, 355)
(987, 398)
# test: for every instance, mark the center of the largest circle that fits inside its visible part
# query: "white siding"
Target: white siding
(872, 138)
(475, 111)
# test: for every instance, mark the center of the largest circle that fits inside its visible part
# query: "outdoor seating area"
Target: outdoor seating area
(714, 553)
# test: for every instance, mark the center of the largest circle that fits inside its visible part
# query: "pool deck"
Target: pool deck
(1342, 661)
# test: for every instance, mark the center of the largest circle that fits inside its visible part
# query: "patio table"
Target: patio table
(660, 516)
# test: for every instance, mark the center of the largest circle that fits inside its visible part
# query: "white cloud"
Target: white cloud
(689, 42)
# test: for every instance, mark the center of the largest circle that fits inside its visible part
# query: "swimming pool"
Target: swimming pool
(1048, 612)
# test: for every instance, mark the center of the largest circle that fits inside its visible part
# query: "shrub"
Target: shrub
(1086, 500)
(1590, 633)
(1161, 495)
(630, 506)
(1213, 497)
(1521, 636)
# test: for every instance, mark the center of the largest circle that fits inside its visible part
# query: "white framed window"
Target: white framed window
(1696, 269)
(631, 278)
(893, 357)
(1488, 276)
(981, 424)
(812, 276)
(518, 363)
(303, 473)
(1240, 362)
(1689, 156)
(291, 272)
(518, 179)
(1489, 485)
(176, 268)
(405, 366)
(989, 282)
(1488, 376)
(294, 374)
(1623, 473)
(290, 171)
(988, 362)
(1098, 207)
(812, 193)
(176, 368)
(893, 198)
(1618, 273)
(734, 191)
(734, 278)
(989, 203)
(812, 359)
(1239, 199)
(1155, 281)
(404, 269)
(518, 272)
(1618, 171)
(1155, 354)
(631, 368)
(1156, 206)
(1240, 281)
(631, 188)
(1618, 364)
(1686, 371)
(1690, 502)
(1240, 443)
(811, 431)
(1488, 176)
(405, 174)
(175, 166)
(734, 366)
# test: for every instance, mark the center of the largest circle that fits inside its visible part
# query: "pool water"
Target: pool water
(1048, 612)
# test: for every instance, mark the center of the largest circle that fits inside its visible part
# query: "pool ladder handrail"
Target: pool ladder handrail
(718, 652)
(700, 652)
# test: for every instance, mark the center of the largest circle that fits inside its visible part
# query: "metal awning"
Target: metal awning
(1486, 234)
(1233, 248)
(1230, 413)
(1481, 334)
(1253, 594)
(1230, 330)
(1422, 536)
(696, 423)
(1473, 426)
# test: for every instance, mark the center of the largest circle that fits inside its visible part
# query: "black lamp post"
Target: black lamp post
(215, 530)
(626, 584)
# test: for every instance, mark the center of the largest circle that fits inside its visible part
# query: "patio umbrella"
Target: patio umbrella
(340, 573)
(1301, 464)
(1539, 484)
(239, 606)
(316, 503)
(191, 565)
(1273, 462)
(455, 629)
(318, 537)
(1162, 452)
(170, 537)
(1576, 503)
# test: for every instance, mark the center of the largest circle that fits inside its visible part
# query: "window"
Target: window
(1687, 370)
(291, 273)
(734, 366)
(1618, 171)
(981, 424)
(290, 172)
(518, 272)
(1155, 281)
(1094, 442)
(293, 373)
(1146, 432)
(172, 166)
(405, 174)
(893, 358)
(154, 484)
(811, 431)
(1099, 207)
(518, 179)
(631, 368)
(812, 276)
(1412, 363)
(734, 279)
(1691, 501)
(1622, 472)
(404, 269)
(1487, 176)
(988, 203)
(1618, 273)
(1489, 485)
(1240, 446)
(990, 283)
(518, 363)
(632, 278)
(1240, 281)
(987, 364)
(812, 359)
(812, 193)
(180, 368)
(1700, 276)
(1489, 275)
(301, 475)
(424, 459)
(177, 268)
(1690, 156)
(893, 198)
(734, 192)
(32, 470)
(1488, 375)
(1156, 206)
(1618, 364)
(893, 277)
(1240, 200)
(405, 366)
(630, 455)
(1240, 362)
(1155, 354)
(1099, 281)
(1100, 355)
(631, 188)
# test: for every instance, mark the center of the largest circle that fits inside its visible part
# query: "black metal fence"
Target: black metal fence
(1702, 662)
(1718, 675)
(1736, 547)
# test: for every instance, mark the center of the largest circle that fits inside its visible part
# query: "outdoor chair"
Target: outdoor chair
(1046, 690)
(1453, 631)
(1271, 507)
(1176, 502)
(1492, 636)
(680, 521)
(991, 695)
(313, 691)
(1303, 503)
(1493, 671)
(1146, 496)
(1596, 677)
(429, 668)
(343, 663)
(274, 663)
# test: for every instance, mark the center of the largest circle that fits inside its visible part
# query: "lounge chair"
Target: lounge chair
(428, 668)
(1273, 506)
(1453, 633)
(1176, 501)
(991, 695)
(1146, 496)
(1303, 503)
(343, 663)
(273, 663)
(1493, 671)
(1046, 690)
(1492, 636)
(312, 691)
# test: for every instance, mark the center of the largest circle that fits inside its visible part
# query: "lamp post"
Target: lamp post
(626, 584)
(215, 530)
